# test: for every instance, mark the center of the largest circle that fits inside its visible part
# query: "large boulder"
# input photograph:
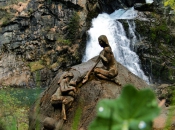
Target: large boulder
(83, 109)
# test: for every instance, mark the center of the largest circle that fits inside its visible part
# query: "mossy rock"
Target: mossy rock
(34, 66)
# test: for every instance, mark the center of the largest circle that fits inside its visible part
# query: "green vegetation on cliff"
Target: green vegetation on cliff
(170, 3)
(73, 27)
(34, 66)
(10, 2)
(6, 19)
(157, 50)
(63, 41)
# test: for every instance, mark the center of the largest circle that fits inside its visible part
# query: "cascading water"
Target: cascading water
(149, 1)
(121, 46)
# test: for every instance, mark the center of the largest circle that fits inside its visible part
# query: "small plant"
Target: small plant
(132, 110)
(63, 41)
(73, 27)
(6, 19)
(30, 11)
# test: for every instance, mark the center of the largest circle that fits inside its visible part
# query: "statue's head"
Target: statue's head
(103, 41)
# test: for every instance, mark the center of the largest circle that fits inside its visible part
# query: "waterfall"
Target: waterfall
(149, 1)
(122, 46)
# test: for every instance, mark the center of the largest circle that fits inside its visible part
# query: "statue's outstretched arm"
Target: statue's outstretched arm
(85, 79)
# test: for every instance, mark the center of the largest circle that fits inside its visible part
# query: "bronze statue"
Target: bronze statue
(66, 92)
(109, 70)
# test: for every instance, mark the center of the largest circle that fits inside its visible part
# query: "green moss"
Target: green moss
(34, 66)
(6, 18)
(36, 115)
(171, 73)
(30, 11)
(173, 62)
(63, 41)
(46, 60)
(77, 116)
(160, 34)
(161, 43)
(60, 59)
(153, 36)
(38, 79)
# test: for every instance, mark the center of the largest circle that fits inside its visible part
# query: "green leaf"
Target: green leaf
(132, 110)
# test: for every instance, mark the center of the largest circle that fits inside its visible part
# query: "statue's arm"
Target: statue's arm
(85, 79)
(62, 85)
(102, 56)
(69, 89)
(65, 86)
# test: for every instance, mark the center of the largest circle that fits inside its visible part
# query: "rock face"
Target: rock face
(48, 34)
(156, 50)
(43, 36)
(83, 108)
(14, 73)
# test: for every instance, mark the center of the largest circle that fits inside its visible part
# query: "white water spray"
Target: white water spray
(108, 25)
(149, 1)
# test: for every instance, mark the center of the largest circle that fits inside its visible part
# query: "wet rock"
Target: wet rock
(112, 5)
(144, 7)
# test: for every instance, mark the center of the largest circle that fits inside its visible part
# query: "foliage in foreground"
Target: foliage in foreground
(132, 110)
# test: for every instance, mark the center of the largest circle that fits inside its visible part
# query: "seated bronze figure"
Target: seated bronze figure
(109, 70)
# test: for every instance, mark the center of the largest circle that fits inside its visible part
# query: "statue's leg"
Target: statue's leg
(63, 111)
(101, 73)
(57, 97)
(113, 72)
(66, 100)
(102, 76)
(108, 75)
